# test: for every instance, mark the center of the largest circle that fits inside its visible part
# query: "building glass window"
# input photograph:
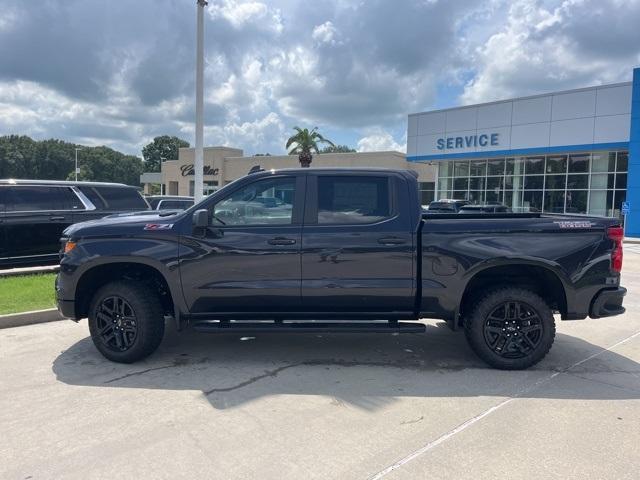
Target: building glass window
(533, 182)
(534, 165)
(579, 163)
(623, 162)
(496, 167)
(531, 201)
(554, 201)
(494, 183)
(513, 182)
(576, 201)
(555, 182)
(592, 183)
(478, 168)
(476, 196)
(445, 169)
(445, 185)
(556, 164)
(603, 162)
(461, 183)
(621, 180)
(600, 202)
(427, 192)
(577, 181)
(599, 180)
(461, 169)
(476, 183)
(515, 166)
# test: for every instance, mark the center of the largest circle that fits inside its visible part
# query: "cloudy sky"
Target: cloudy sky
(119, 72)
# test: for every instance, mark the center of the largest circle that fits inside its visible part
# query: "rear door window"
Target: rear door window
(353, 199)
(34, 198)
(93, 196)
(153, 202)
(120, 198)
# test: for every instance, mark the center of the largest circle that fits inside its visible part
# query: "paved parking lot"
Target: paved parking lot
(329, 406)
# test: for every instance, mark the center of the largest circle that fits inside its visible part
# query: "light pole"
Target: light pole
(198, 163)
(77, 163)
(162, 159)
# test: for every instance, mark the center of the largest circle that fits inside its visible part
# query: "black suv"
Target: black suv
(33, 214)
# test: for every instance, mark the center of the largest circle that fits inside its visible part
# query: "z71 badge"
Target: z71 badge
(158, 226)
(574, 224)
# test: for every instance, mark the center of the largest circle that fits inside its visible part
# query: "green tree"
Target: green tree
(162, 148)
(103, 164)
(304, 142)
(23, 157)
(338, 149)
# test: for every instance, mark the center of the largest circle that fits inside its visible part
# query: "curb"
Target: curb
(29, 318)
(14, 272)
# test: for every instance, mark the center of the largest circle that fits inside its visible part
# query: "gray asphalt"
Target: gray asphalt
(323, 406)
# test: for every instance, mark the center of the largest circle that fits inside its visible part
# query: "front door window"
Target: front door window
(266, 202)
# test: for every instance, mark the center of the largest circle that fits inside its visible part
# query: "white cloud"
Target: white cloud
(353, 68)
(379, 141)
(547, 46)
(239, 13)
(8, 19)
(325, 33)
(262, 135)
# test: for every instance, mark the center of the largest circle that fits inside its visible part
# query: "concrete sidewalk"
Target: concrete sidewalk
(417, 406)
(12, 272)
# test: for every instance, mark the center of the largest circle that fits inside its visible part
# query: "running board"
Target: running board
(307, 327)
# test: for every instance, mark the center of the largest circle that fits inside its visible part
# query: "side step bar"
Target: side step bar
(307, 327)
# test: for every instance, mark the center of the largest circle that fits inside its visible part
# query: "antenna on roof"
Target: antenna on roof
(255, 169)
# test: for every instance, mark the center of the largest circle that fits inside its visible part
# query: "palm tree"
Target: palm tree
(304, 142)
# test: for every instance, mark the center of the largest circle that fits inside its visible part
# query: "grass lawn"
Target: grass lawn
(28, 292)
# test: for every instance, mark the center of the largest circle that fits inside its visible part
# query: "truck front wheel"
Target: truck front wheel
(511, 328)
(126, 321)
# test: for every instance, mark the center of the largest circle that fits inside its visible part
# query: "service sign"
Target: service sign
(468, 141)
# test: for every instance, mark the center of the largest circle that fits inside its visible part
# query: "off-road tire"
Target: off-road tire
(482, 328)
(143, 305)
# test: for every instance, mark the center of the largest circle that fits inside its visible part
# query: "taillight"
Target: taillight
(616, 234)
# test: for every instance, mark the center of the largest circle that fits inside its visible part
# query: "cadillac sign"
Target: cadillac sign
(206, 170)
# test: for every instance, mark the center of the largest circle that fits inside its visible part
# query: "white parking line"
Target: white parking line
(477, 418)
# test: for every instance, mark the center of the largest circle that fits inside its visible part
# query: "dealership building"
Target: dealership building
(575, 152)
(222, 165)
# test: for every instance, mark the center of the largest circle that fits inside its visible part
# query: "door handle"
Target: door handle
(391, 241)
(281, 241)
(57, 218)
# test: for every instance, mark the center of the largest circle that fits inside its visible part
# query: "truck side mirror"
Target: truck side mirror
(201, 218)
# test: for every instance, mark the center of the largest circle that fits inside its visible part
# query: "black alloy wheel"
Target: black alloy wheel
(117, 323)
(513, 330)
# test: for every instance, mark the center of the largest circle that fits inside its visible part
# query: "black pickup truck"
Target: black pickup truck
(345, 250)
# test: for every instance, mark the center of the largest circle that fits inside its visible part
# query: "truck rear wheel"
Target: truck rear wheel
(511, 328)
(126, 321)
